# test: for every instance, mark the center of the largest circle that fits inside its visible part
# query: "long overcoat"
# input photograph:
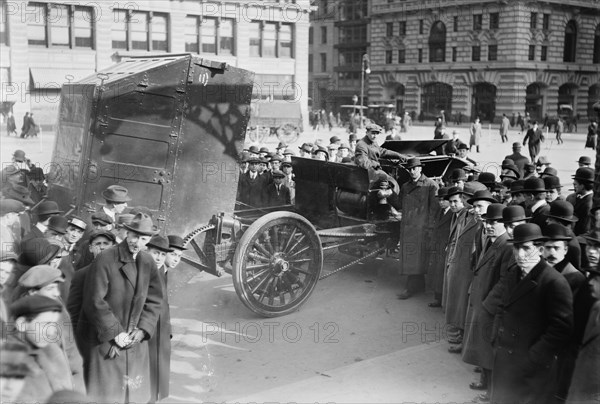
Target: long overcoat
(533, 324)
(477, 342)
(418, 204)
(160, 346)
(439, 242)
(476, 134)
(120, 294)
(460, 272)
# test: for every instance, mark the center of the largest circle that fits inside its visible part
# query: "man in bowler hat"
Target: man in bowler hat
(122, 300)
(582, 200)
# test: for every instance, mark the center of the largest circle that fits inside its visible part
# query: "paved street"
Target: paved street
(353, 341)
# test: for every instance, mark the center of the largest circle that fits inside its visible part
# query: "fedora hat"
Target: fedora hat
(556, 232)
(593, 236)
(473, 186)
(453, 191)
(48, 208)
(561, 210)
(516, 145)
(413, 162)
(526, 232)
(534, 184)
(160, 243)
(509, 174)
(584, 174)
(282, 145)
(307, 147)
(552, 182)
(514, 213)
(37, 251)
(584, 160)
(288, 152)
(116, 193)
(516, 186)
(442, 192)
(264, 150)
(549, 171)
(458, 174)
(494, 212)
(176, 242)
(482, 195)
(142, 224)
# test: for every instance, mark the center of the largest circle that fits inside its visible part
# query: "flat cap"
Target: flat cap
(39, 276)
(101, 218)
(277, 174)
(373, 127)
(10, 206)
(34, 304)
(102, 233)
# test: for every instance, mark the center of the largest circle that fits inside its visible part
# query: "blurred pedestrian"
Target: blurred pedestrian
(504, 126)
(535, 137)
(11, 127)
(26, 124)
(476, 134)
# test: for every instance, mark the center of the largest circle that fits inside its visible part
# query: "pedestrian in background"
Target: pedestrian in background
(504, 125)
(535, 137)
(560, 127)
(11, 127)
(475, 131)
(26, 123)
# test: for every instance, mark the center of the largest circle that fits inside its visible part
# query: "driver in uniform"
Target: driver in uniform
(368, 152)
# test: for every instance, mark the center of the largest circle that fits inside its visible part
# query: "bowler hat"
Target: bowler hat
(116, 193)
(277, 174)
(264, 150)
(142, 224)
(494, 212)
(58, 224)
(552, 182)
(48, 208)
(321, 149)
(514, 213)
(508, 164)
(276, 157)
(160, 243)
(463, 146)
(352, 137)
(77, 222)
(482, 195)
(526, 232)
(556, 232)
(584, 160)
(102, 219)
(516, 186)
(253, 149)
(102, 233)
(584, 174)
(593, 236)
(282, 145)
(19, 193)
(413, 162)
(39, 276)
(34, 304)
(458, 174)
(176, 242)
(334, 139)
(543, 160)
(37, 251)
(534, 184)
(548, 172)
(373, 127)
(516, 145)
(36, 173)
(509, 174)
(307, 147)
(10, 206)
(561, 210)
(452, 191)
(487, 178)
(19, 155)
(344, 146)
(253, 160)
(442, 192)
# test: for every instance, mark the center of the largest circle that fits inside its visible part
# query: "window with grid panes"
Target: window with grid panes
(531, 54)
(226, 36)
(323, 62)
(492, 52)
(476, 53)
(388, 57)
(139, 30)
(119, 29)
(36, 24)
(401, 56)
(208, 35)
(546, 22)
(269, 40)
(323, 34)
(59, 19)
(160, 40)
(254, 33)
(285, 41)
(84, 28)
(402, 27)
(494, 20)
(455, 24)
(533, 20)
(477, 22)
(192, 39)
(389, 29)
(544, 55)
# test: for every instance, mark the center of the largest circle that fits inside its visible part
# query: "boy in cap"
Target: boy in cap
(530, 329)
(278, 194)
(122, 316)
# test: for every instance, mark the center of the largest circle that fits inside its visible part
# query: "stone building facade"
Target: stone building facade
(44, 44)
(486, 58)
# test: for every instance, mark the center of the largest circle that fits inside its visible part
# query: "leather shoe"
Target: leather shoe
(478, 386)
(405, 294)
(484, 397)
(435, 304)
(455, 349)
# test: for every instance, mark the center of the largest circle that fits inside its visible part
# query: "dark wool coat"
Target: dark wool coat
(581, 209)
(535, 138)
(280, 198)
(418, 205)
(252, 192)
(160, 346)
(74, 307)
(533, 325)
(367, 153)
(540, 215)
(585, 387)
(520, 162)
(439, 242)
(120, 294)
(477, 341)
(460, 272)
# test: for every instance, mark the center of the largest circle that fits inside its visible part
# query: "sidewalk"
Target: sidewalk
(423, 374)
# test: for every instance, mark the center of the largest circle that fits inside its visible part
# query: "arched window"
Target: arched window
(597, 45)
(570, 42)
(437, 42)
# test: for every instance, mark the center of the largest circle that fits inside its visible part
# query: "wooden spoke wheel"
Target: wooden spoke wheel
(277, 263)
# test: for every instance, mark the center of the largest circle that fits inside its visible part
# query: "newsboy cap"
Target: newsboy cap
(34, 304)
(373, 127)
(39, 276)
(102, 219)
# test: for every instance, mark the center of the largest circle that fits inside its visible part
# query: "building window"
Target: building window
(494, 20)
(84, 29)
(492, 52)
(420, 56)
(389, 29)
(546, 22)
(323, 62)
(192, 35)
(402, 27)
(36, 24)
(323, 34)
(421, 27)
(310, 35)
(388, 57)
(533, 21)
(310, 63)
(544, 55)
(3, 24)
(351, 57)
(254, 33)
(159, 32)
(401, 56)
(477, 22)
(353, 33)
(57, 25)
(208, 35)
(531, 54)
(60, 33)
(455, 24)
(476, 53)
(269, 40)
(570, 42)
(454, 53)
(226, 37)
(597, 45)
(354, 10)
(285, 41)
(274, 87)
(437, 42)
(119, 29)
(138, 26)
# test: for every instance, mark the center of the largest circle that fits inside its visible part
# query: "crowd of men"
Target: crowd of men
(84, 304)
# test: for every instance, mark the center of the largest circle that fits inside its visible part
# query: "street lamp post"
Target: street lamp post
(365, 68)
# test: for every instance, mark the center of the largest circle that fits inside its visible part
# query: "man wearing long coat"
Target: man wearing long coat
(535, 137)
(439, 241)
(122, 301)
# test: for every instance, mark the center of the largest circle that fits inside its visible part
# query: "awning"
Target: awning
(55, 78)
(275, 114)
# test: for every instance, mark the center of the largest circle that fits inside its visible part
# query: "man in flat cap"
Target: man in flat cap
(278, 194)
(122, 300)
(251, 186)
(368, 152)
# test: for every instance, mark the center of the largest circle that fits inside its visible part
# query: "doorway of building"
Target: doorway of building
(483, 102)
(534, 101)
(436, 97)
